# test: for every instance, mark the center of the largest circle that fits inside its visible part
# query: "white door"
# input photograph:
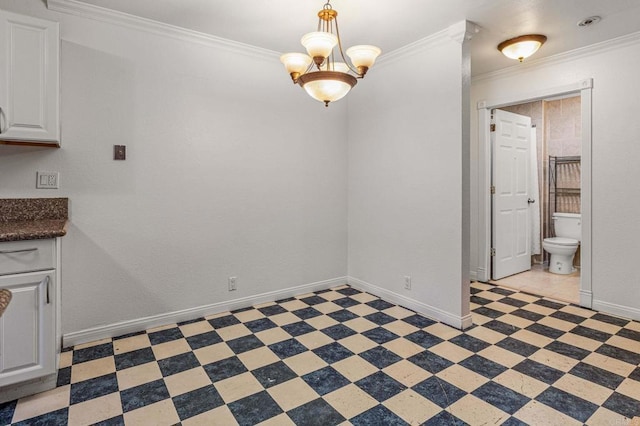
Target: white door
(511, 215)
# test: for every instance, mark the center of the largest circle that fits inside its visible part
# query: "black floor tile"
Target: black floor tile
(380, 318)
(6, 411)
(424, 339)
(204, 339)
(113, 421)
(531, 316)
(298, 328)
(244, 344)
(444, 418)
(629, 334)
(502, 291)
(622, 404)
(92, 353)
(333, 352)
(517, 346)
(346, 302)
(635, 374)
(430, 362)
(380, 335)
(418, 321)
(343, 315)
(619, 354)
(565, 316)
(597, 375)
(225, 321)
(567, 403)
(164, 336)
(273, 310)
(480, 300)
(313, 300)
(325, 380)
(438, 391)
(307, 313)
(338, 331)
(254, 409)
(567, 350)
(544, 330)
(178, 363)
(224, 369)
(513, 302)
(380, 304)
(260, 325)
(58, 417)
(377, 416)
(538, 371)
(197, 401)
(549, 304)
(590, 333)
(380, 386)
(133, 358)
(288, 348)
(315, 413)
(470, 343)
(193, 321)
(501, 327)
(488, 312)
(64, 378)
(380, 357)
(501, 397)
(620, 322)
(274, 374)
(93, 388)
(483, 366)
(349, 291)
(143, 395)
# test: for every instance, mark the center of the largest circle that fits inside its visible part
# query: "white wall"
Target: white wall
(615, 151)
(406, 182)
(224, 175)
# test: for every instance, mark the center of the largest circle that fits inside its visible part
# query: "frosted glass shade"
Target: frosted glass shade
(296, 62)
(363, 55)
(522, 47)
(327, 86)
(340, 67)
(319, 43)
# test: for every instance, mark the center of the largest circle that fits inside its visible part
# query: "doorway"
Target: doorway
(582, 90)
(553, 186)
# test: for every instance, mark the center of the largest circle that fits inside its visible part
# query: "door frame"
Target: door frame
(584, 89)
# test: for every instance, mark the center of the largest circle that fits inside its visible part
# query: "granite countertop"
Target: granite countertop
(33, 218)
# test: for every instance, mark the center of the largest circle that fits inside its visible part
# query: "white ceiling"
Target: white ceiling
(278, 24)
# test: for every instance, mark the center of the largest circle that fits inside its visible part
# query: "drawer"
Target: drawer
(27, 256)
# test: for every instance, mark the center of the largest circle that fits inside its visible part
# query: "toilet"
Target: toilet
(563, 246)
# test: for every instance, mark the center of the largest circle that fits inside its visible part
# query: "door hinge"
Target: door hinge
(492, 127)
(492, 189)
(493, 251)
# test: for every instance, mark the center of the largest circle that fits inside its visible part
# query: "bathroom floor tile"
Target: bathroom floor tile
(342, 356)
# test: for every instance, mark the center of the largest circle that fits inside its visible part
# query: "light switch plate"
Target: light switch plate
(47, 180)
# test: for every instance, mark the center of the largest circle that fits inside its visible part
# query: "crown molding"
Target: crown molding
(410, 49)
(571, 55)
(101, 14)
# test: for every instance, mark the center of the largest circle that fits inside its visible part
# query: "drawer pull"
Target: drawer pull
(46, 282)
(18, 251)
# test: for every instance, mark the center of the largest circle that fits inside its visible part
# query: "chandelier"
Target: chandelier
(321, 76)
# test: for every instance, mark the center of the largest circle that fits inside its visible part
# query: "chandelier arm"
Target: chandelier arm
(342, 53)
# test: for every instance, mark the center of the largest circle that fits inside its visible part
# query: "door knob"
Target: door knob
(530, 201)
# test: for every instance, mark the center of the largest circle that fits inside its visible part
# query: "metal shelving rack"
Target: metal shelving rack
(558, 187)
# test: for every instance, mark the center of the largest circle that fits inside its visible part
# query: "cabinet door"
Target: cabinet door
(29, 88)
(27, 328)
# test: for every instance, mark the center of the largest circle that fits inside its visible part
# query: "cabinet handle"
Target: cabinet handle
(46, 282)
(18, 251)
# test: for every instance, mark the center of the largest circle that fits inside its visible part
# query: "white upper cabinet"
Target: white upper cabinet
(29, 80)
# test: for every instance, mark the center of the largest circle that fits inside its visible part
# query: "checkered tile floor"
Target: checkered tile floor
(342, 356)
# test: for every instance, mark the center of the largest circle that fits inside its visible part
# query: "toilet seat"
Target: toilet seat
(561, 241)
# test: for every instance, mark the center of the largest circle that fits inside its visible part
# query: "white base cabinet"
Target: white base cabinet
(28, 328)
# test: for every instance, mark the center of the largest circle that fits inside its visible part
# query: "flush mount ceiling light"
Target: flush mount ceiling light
(522, 47)
(321, 76)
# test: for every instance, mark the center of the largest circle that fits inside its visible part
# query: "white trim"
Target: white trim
(473, 275)
(114, 17)
(141, 324)
(411, 49)
(572, 55)
(586, 297)
(584, 88)
(422, 308)
(618, 310)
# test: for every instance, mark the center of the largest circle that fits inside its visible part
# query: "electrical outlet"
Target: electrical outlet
(47, 180)
(232, 284)
(407, 282)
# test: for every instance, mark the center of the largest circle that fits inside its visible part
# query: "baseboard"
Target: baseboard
(473, 276)
(141, 324)
(586, 298)
(432, 312)
(30, 387)
(617, 310)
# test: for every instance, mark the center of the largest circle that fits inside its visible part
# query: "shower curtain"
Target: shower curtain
(534, 191)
